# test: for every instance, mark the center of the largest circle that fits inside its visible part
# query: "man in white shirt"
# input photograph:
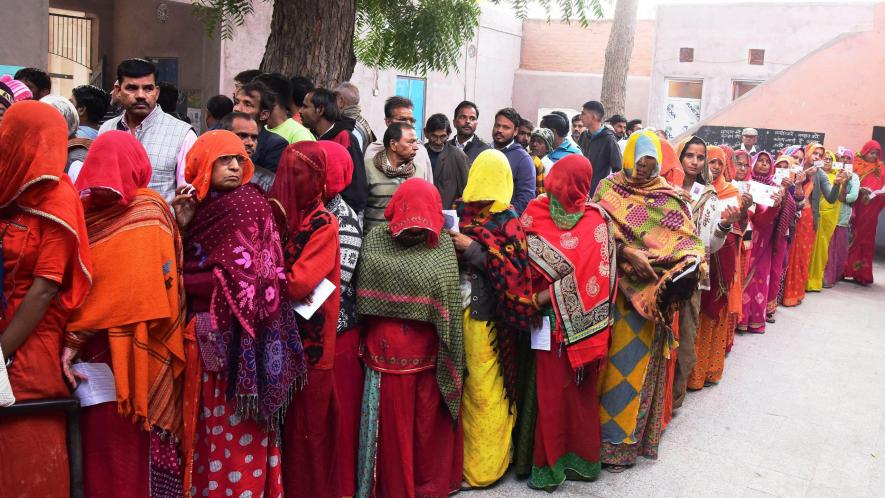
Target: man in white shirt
(749, 136)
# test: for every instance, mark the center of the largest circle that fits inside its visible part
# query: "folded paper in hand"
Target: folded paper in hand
(541, 335)
(450, 217)
(316, 298)
(99, 387)
(763, 194)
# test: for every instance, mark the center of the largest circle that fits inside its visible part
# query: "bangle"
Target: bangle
(535, 301)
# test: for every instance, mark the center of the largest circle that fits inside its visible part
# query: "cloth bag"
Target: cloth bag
(6, 396)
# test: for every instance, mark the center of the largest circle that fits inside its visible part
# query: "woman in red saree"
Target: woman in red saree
(247, 358)
(312, 251)
(130, 448)
(769, 249)
(570, 243)
(348, 368)
(869, 167)
(46, 270)
(411, 443)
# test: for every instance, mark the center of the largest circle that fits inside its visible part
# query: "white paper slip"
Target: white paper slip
(780, 174)
(848, 167)
(838, 165)
(796, 169)
(743, 187)
(687, 271)
(99, 387)
(731, 201)
(450, 220)
(317, 297)
(696, 190)
(763, 194)
(541, 335)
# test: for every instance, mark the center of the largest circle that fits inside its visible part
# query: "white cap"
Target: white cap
(749, 132)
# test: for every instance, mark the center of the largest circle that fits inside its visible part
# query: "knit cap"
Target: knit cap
(19, 90)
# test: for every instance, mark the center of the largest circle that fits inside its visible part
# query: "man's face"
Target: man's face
(539, 147)
(577, 128)
(247, 103)
(81, 111)
(636, 128)
(406, 147)
(503, 132)
(466, 121)
(589, 119)
(436, 140)
(749, 140)
(34, 90)
(620, 129)
(309, 114)
(401, 115)
(524, 136)
(138, 96)
(693, 160)
(247, 130)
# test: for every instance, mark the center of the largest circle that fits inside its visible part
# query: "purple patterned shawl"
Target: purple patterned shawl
(250, 331)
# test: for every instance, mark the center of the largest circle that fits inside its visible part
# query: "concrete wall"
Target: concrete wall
(25, 37)
(785, 31)
(486, 78)
(535, 90)
(561, 47)
(845, 104)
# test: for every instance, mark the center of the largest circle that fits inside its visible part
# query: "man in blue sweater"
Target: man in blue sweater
(504, 134)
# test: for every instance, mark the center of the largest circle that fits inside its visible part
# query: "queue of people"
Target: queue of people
(291, 305)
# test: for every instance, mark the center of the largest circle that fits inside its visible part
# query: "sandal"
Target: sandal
(616, 469)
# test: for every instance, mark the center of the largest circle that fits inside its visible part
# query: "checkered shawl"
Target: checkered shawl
(417, 283)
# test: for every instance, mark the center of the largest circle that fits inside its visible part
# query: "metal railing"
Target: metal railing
(70, 37)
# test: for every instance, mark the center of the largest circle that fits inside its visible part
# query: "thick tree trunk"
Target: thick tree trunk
(617, 57)
(312, 38)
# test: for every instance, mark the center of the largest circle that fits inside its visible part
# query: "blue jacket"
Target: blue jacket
(566, 148)
(524, 181)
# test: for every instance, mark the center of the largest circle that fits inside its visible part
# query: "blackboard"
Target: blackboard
(769, 139)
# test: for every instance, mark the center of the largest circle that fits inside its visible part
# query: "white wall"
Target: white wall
(535, 90)
(486, 79)
(787, 32)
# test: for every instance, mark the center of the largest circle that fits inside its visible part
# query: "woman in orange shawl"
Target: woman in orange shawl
(135, 245)
(869, 167)
(724, 296)
(46, 273)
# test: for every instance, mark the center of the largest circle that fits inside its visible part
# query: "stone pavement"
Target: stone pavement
(800, 412)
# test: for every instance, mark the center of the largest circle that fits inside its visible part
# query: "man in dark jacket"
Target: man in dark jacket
(504, 136)
(598, 143)
(258, 101)
(466, 120)
(320, 114)
(448, 162)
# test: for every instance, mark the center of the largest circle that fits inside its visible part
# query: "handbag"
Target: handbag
(6, 396)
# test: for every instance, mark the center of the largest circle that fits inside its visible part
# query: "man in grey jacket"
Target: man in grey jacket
(167, 140)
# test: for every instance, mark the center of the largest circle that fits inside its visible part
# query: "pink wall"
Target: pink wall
(836, 89)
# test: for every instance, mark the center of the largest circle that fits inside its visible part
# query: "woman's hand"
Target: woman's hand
(68, 355)
(461, 241)
(746, 202)
(185, 205)
(686, 196)
(778, 198)
(787, 183)
(636, 265)
(841, 177)
(730, 215)
(864, 195)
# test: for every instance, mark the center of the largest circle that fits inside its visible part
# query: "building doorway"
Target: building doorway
(70, 51)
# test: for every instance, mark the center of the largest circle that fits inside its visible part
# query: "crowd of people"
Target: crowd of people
(291, 305)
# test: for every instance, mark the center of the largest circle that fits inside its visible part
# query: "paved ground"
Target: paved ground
(800, 412)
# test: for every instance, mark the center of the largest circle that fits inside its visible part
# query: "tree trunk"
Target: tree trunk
(312, 38)
(617, 57)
